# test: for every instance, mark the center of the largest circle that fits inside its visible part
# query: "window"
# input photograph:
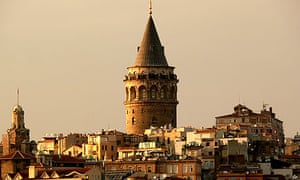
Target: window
(206, 164)
(191, 168)
(187, 168)
(153, 91)
(173, 93)
(126, 92)
(139, 169)
(142, 92)
(172, 168)
(133, 121)
(132, 93)
(163, 92)
(212, 164)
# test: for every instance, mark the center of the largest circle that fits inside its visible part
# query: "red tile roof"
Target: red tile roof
(65, 158)
(62, 172)
(17, 155)
(38, 164)
(65, 171)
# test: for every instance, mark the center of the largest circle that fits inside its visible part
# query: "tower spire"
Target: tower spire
(150, 52)
(18, 96)
(150, 7)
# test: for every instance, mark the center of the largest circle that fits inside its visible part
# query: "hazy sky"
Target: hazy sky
(69, 58)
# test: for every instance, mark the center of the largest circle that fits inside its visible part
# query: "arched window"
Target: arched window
(126, 93)
(132, 93)
(173, 93)
(142, 92)
(163, 92)
(153, 92)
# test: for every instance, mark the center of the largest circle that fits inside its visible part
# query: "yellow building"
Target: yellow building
(173, 139)
(102, 145)
(145, 150)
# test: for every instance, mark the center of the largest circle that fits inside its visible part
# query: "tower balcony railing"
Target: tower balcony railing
(150, 76)
(151, 100)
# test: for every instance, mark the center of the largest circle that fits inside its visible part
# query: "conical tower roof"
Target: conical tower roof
(150, 52)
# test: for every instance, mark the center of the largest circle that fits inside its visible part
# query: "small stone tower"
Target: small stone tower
(17, 137)
(150, 86)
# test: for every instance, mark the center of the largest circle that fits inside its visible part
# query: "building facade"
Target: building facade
(15, 162)
(58, 143)
(187, 169)
(264, 131)
(201, 144)
(292, 146)
(102, 145)
(150, 86)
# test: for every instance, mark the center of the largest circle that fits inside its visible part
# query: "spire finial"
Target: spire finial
(18, 96)
(150, 7)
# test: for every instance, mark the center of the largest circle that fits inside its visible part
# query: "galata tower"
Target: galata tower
(150, 86)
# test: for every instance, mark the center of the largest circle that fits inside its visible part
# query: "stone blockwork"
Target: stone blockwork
(150, 87)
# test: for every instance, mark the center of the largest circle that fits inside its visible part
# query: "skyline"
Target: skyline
(69, 59)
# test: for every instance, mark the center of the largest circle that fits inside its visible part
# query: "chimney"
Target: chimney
(32, 172)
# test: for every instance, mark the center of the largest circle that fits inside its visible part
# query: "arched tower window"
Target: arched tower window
(173, 93)
(163, 92)
(132, 93)
(153, 92)
(142, 92)
(126, 94)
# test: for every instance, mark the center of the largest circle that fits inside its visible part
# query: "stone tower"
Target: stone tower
(17, 136)
(150, 86)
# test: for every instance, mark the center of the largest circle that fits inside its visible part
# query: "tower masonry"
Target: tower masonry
(150, 86)
(17, 137)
